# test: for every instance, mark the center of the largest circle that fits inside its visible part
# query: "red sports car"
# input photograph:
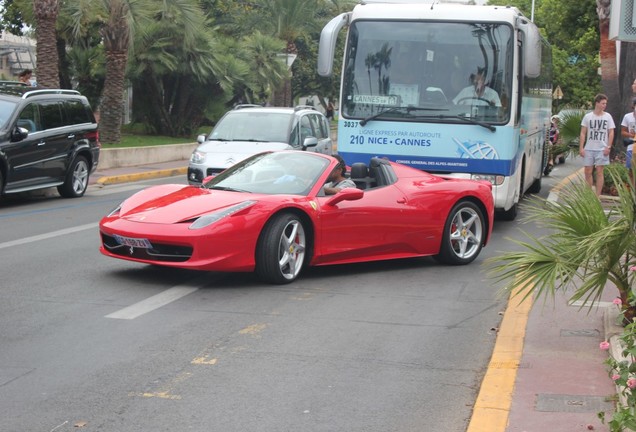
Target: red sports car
(269, 214)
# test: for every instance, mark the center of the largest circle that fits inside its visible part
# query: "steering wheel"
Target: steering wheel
(475, 98)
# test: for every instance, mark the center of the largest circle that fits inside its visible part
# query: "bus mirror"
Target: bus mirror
(531, 48)
(327, 46)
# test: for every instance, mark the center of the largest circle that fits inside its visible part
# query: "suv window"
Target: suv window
(51, 114)
(76, 112)
(30, 118)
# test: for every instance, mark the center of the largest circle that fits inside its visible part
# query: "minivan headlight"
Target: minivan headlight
(198, 157)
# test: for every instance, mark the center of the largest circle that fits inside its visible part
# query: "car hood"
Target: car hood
(168, 204)
(224, 154)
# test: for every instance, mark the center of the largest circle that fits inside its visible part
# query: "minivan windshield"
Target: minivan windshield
(248, 125)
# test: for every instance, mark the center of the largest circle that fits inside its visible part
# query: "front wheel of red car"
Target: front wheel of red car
(281, 249)
(463, 236)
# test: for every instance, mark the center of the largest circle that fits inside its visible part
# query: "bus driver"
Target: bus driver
(478, 93)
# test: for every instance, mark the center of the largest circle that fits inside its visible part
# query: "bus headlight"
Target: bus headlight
(495, 180)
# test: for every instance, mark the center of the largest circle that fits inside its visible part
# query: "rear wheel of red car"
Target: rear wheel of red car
(281, 249)
(464, 234)
(76, 179)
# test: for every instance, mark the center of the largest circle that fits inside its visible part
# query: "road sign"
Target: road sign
(558, 93)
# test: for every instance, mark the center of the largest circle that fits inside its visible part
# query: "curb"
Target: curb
(123, 178)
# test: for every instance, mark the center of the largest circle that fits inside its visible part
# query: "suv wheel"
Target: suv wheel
(76, 179)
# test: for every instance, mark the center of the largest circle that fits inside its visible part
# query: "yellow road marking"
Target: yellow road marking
(492, 407)
(204, 360)
(253, 330)
(161, 395)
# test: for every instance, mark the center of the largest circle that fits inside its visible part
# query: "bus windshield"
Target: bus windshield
(444, 72)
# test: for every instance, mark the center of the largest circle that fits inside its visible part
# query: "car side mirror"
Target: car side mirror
(346, 194)
(201, 139)
(310, 142)
(19, 133)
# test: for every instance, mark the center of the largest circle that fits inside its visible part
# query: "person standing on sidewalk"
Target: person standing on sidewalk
(595, 142)
(628, 132)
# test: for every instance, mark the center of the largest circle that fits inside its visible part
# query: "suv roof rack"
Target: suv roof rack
(12, 83)
(241, 106)
(49, 91)
(302, 107)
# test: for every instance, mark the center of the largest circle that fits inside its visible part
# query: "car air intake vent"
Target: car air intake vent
(159, 251)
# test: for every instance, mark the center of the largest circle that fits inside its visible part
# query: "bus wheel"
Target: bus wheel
(535, 188)
(510, 214)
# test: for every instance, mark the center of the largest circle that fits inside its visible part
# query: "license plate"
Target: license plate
(141, 243)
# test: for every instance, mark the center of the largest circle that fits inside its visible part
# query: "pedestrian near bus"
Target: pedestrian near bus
(595, 142)
(628, 133)
(329, 113)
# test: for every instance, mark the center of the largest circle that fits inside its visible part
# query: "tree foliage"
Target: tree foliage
(572, 29)
(186, 60)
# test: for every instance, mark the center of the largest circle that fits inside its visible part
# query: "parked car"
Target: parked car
(250, 129)
(269, 214)
(48, 138)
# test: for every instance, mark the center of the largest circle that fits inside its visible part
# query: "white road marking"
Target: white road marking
(110, 190)
(48, 235)
(159, 300)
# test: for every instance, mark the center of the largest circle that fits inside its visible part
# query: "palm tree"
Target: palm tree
(118, 20)
(369, 62)
(267, 72)
(47, 71)
(383, 59)
(291, 19)
(175, 79)
(589, 246)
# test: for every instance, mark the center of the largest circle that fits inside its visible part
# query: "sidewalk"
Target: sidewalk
(109, 176)
(547, 372)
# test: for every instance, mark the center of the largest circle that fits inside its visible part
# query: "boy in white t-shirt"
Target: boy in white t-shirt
(628, 132)
(595, 141)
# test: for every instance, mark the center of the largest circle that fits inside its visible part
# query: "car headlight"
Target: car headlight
(114, 211)
(215, 216)
(198, 157)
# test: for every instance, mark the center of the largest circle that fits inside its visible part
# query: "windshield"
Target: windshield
(247, 125)
(272, 173)
(443, 69)
(6, 109)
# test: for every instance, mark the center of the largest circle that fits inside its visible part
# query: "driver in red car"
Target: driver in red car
(337, 180)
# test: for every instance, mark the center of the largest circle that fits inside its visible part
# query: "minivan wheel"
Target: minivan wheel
(76, 179)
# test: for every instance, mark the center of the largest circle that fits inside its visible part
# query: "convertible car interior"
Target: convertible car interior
(379, 173)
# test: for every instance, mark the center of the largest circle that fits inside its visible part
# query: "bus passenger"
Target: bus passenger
(478, 93)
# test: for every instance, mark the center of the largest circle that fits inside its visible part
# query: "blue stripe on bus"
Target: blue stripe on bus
(440, 164)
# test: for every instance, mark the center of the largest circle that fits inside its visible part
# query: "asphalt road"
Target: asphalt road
(98, 344)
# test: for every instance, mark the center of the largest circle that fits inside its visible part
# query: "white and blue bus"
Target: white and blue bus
(410, 91)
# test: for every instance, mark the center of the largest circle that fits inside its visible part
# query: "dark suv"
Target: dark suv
(48, 137)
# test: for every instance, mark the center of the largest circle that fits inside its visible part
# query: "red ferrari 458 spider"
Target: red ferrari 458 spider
(269, 214)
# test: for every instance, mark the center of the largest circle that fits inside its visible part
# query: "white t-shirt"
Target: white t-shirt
(473, 99)
(598, 128)
(629, 121)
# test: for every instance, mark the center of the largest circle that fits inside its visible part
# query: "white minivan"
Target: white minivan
(250, 129)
